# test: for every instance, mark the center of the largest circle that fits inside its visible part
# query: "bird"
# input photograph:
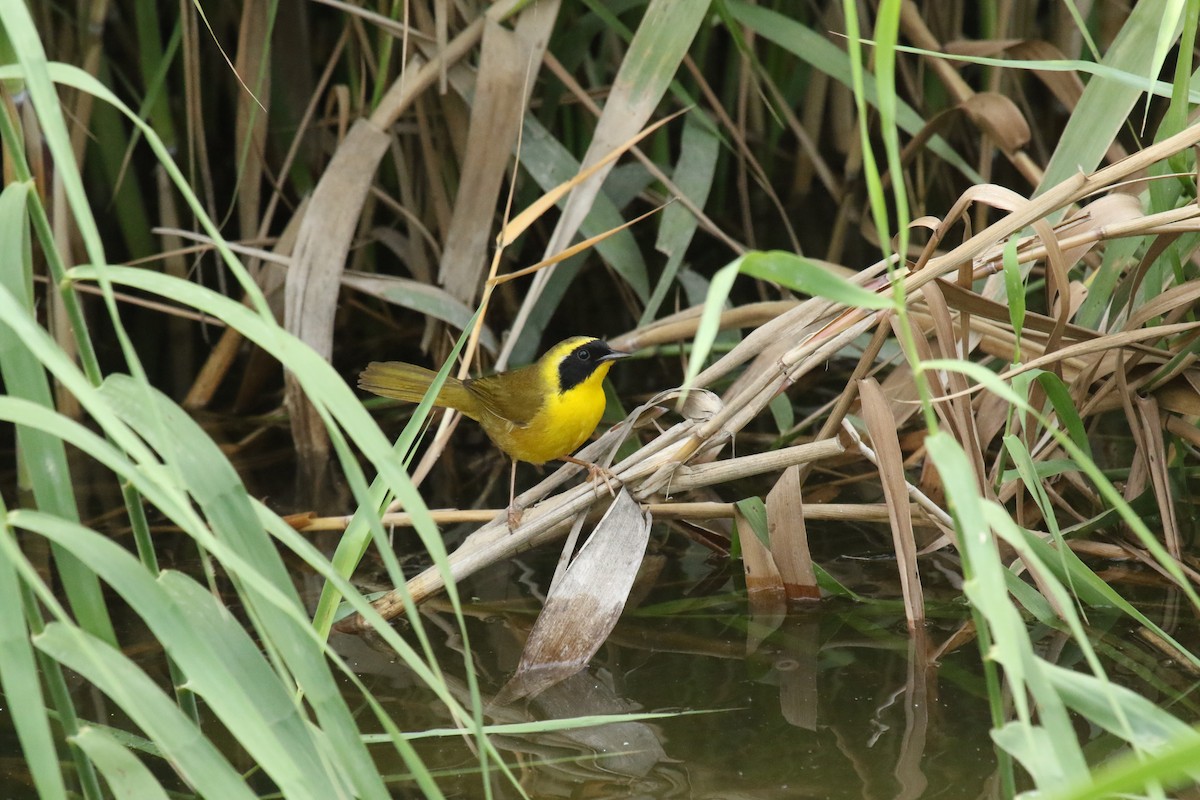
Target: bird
(537, 413)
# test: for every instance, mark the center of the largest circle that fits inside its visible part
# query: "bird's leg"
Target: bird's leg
(595, 471)
(515, 512)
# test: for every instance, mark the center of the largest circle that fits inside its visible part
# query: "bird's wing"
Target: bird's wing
(516, 401)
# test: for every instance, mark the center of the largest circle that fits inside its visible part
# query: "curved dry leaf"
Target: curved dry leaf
(1181, 297)
(1181, 394)
(987, 193)
(311, 293)
(928, 222)
(999, 118)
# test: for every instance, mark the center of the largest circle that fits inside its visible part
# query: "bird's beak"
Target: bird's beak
(613, 355)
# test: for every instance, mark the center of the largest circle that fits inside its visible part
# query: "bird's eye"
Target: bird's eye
(584, 355)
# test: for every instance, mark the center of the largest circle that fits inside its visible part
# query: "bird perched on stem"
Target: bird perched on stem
(538, 413)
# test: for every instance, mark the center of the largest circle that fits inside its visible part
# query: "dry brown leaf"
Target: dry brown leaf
(1181, 394)
(914, 27)
(764, 584)
(582, 608)
(999, 118)
(789, 538)
(312, 283)
(1154, 451)
(882, 427)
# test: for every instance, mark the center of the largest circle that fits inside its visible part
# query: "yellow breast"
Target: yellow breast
(564, 422)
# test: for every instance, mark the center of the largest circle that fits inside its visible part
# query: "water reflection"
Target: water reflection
(837, 701)
(833, 701)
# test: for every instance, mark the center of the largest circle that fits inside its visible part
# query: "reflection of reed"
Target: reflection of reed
(797, 667)
(920, 688)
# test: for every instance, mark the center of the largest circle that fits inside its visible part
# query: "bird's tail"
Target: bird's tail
(409, 382)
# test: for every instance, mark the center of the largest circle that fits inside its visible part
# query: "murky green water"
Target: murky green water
(835, 700)
(833, 703)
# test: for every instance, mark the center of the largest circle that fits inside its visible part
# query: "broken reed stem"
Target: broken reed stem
(818, 512)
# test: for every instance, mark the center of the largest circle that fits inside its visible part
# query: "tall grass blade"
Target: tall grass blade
(192, 754)
(43, 457)
(224, 666)
(126, 775)
(222, 498)
(19, 678)
(1047, 747)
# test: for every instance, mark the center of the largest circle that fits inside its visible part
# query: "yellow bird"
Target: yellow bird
(538, 413)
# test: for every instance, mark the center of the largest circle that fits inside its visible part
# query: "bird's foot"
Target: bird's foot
(596, 471)
(604, 474)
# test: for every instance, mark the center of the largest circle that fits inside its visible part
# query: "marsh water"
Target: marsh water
(836, 699)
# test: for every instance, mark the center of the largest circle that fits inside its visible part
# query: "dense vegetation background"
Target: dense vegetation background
(930, 256)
